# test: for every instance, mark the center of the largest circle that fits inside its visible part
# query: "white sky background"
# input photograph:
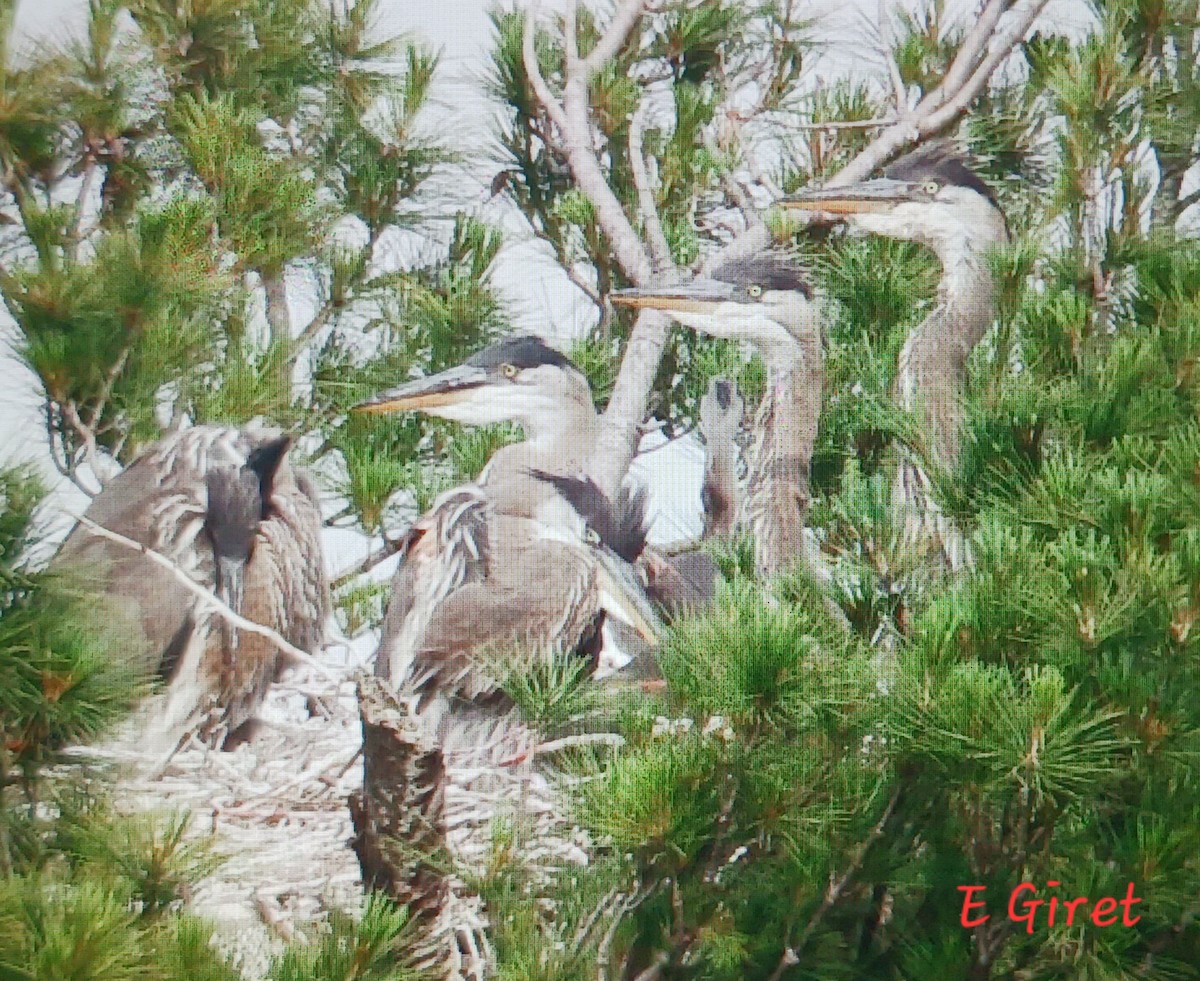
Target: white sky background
(538, 295)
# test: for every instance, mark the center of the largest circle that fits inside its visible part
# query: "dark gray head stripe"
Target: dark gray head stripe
(771, 269)
(525, 351)
(939, 161)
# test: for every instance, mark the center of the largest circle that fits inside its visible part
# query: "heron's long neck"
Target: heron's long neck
(561, 442)
(933, 361)
(567, 433)
(720, 492)
(786, 428)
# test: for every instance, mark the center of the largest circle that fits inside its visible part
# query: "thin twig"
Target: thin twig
(385, 551)
(207, 598)
(836, 887)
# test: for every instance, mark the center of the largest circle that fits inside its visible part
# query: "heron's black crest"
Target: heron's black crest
(525, 351)
(772, 269)
(264, 461)
(621, 525)
(940, 161)
(724, 392)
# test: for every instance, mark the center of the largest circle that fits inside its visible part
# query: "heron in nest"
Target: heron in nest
(480, 599)
(226, 507)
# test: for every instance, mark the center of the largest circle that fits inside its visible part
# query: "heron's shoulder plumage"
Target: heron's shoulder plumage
(619, 524)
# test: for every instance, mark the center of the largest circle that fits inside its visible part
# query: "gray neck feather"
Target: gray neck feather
(786, 431)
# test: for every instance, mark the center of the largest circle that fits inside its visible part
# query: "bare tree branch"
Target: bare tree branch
(630, 399)
(627, 407)
(936, 111)
(534, 70)
(970, 52)
(625, 19)
(570, 39)
(660, 248)
(944, 104)
(974, 86)
(842, 124)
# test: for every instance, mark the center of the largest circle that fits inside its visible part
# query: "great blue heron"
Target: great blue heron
(518, 379)
(524, 380)
(474, 578)
(483, 597)
(766, 299)
(226, 507)
(933, 197)
(721, 412)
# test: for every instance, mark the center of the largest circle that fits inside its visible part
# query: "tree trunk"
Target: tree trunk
(619, 433)
(397, 815)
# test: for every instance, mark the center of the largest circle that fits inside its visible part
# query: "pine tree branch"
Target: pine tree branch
(331, 306)
(207, 598)
(837, 886)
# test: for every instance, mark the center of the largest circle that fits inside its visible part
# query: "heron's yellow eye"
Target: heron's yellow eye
(930, 187)
(591, 536)
(754, 290)
(508, 370)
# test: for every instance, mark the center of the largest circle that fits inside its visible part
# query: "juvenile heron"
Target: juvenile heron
(227, 508)
(767, 300)
(933, 197)
(480, 599)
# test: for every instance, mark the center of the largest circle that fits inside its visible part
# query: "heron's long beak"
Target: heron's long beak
(622, 596)
(230, 584)
(878, 194)
(450, 387)
(700, 295)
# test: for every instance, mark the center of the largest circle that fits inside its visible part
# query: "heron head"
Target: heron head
(721, 411)
(239, 498)
(519, 379)
(764, 298)
(929, 196)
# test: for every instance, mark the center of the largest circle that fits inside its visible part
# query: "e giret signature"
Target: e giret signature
(1024, 908)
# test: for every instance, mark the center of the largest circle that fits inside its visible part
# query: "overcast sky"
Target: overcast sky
(539, 297)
